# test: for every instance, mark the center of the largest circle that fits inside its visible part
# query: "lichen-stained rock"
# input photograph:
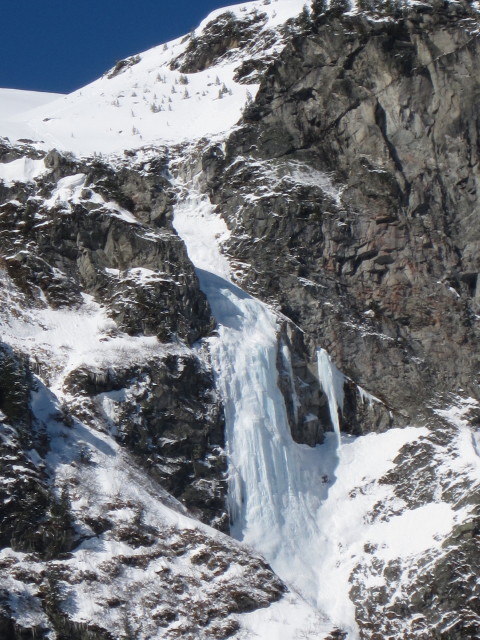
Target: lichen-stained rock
(355, 171)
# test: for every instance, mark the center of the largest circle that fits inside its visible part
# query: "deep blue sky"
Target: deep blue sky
(61, 45)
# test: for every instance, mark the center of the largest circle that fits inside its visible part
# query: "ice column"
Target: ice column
(332, 381)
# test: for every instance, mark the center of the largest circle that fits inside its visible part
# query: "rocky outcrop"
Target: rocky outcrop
(220, 36)
(85, 228)
(34, 518)
(438, 596)
(98, 237)
(166, 412)
(122, 65)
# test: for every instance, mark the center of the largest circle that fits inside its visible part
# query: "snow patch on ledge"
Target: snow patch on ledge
(21, 170)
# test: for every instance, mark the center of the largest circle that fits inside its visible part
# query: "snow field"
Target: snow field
(147, 102)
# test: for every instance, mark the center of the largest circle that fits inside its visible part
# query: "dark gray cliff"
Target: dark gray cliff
(355, 172)
(350, 189)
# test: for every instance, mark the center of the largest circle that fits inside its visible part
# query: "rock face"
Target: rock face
(86, 229)
(165, 411)
(135, 265)
(350, 189)
(356, 171)
(219, 37)
(33, 518)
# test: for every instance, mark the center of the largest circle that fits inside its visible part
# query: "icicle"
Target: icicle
(367, 397)
(287, 362)
(332, 381)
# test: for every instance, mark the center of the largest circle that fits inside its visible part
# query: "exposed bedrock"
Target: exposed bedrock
(86, 228)
(351, 191)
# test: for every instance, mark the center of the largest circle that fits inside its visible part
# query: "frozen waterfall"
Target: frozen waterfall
(276, 486)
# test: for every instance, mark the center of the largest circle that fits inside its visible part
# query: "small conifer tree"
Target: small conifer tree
(304, 19)
(338, 7)
(318, 8)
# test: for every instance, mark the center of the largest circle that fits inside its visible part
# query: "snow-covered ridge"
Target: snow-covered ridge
(16, 101)
(146, 101)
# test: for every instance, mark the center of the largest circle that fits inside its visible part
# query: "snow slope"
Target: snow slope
(147, 102)
(13, 104)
